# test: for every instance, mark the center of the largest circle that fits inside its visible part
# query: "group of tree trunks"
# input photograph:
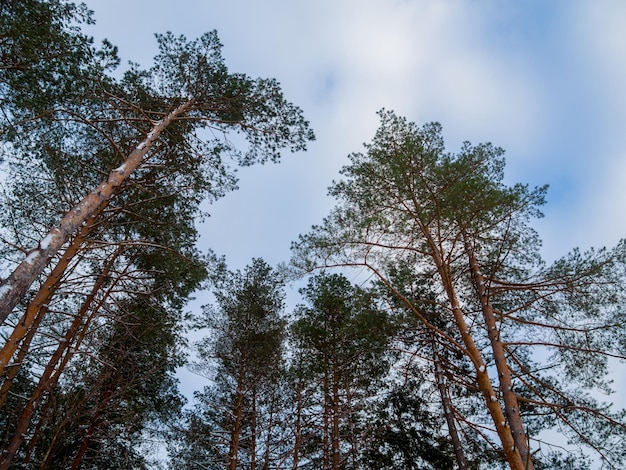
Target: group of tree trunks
(465, 350)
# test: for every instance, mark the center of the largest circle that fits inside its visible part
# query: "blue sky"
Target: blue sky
(545, 80)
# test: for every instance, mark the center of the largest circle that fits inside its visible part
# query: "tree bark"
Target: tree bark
(448, 410)
(38, 306)
(511, 452)
(235, 434)
(354, 439)
(53, 370)
(270, 428)
(253, 429)
(106, 397)
(327, 420)
(298, 431)
(16, 285)
(511, 405)
(14, 369)
(336, 449)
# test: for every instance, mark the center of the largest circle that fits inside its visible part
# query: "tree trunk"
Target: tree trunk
(14, 369)
(16, 285)
(336, 457)
(511, 452)
(270, 428)
(38, 306)
(53, 370)
(95, 423)
(448, 410)
(298, 431)
(327, 420)
(511, 405)
(354, 439)
(46, 461)
(253, 429)
(236, 430)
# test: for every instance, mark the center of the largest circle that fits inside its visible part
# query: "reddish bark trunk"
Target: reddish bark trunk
(511, 452)
(448, 409)
(37, 307)
(236, 431)
(253, 430)
(93, 428)
(298, 430)
(336, 457)
(14, 368)
(327, 420)
(53, 369)
(511, 405)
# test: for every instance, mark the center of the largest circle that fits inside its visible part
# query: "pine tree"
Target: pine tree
(233, 424)
(152, 114)
(340, 339)
(111, 256)
(451, 218)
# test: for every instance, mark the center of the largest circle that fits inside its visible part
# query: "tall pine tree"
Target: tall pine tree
(453, 219)
(233, 423)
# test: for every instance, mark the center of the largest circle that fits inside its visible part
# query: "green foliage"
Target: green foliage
(243, 357)
(195, 70)
(340, 339)
(405, 434)
(66, 124)
(45, 59)
(341, 324)
(119, 395)
(451, 223)
(247, 321)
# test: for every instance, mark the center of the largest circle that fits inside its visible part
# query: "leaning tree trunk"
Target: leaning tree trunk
(53, 369)
(97, 420)
(511, 405)
(511, 452)
(16, 285)
(38, 306)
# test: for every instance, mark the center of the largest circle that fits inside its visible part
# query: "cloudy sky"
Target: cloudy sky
(544, 80)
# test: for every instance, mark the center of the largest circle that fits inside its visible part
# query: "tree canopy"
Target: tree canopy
(538, 337)
(461, 348)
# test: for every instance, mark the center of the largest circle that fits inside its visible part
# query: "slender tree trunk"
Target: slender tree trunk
(96, 420)
(38, 306)
(448, 409)
(16, 285)
(270, 428)
(53, 370)
(37, 430)
(49, 455)
(327, 420)
(336, 419)
(511, 405)
(354, 440)
(46, 461)
(14, 369)
(298, 430)
(84, 445)
(511, 452)
(236, 430)
(253, 429)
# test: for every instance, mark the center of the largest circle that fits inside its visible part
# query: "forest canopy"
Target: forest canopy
(429, 333)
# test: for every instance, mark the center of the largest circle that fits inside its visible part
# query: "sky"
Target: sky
(545, 80)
